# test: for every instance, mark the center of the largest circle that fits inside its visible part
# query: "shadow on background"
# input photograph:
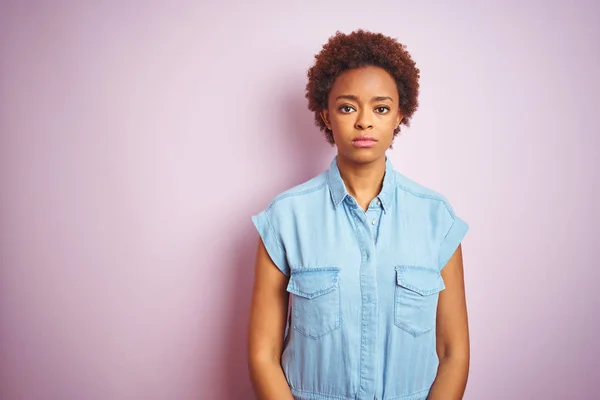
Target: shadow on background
(309, 154)
(236, 384)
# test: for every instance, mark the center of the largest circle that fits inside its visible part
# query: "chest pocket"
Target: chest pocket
(416, 298)
(315, 301)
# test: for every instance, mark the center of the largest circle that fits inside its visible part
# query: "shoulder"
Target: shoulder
(312, 188)
(422, 196)
(431, 207)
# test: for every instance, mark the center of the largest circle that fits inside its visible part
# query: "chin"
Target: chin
(361, 156)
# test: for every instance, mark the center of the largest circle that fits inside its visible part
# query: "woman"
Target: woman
(369, 260)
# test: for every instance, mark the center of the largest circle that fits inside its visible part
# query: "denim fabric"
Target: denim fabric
(363, 286)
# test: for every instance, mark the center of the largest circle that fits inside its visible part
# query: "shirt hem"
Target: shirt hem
(304, 395)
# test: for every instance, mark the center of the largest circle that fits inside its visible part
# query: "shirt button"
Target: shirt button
(373, 222)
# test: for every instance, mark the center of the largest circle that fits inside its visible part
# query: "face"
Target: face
(362, 113)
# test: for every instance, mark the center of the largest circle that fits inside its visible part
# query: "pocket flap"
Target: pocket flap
(313, 283)
(421, 280)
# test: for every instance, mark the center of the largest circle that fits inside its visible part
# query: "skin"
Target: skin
(268, 314)
(452, 334)
(361, 102)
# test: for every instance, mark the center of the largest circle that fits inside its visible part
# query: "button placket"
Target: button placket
(369, 310)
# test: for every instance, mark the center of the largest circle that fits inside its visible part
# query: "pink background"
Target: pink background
(137, 140)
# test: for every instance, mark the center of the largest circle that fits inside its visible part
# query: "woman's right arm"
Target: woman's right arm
(268, 315)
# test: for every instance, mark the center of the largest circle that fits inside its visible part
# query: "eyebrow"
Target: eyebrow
(355, 98)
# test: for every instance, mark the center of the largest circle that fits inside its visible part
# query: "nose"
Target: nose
(363, 121)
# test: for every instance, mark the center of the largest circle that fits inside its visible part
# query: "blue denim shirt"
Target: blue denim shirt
(363, 286)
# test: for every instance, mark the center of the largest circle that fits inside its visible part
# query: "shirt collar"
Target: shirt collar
(338, 190)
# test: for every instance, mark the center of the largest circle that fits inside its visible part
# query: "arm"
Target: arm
(268, 315)
(452, 334)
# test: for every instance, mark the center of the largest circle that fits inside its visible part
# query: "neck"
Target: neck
(363, 181)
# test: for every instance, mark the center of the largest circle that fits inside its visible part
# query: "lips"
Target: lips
(364, 142)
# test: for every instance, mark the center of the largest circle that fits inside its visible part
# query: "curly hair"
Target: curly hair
(355, 50)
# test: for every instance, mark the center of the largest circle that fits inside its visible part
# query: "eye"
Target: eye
(382, 110)
(346, 109)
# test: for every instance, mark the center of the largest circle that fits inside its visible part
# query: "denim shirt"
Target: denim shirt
(363, 286)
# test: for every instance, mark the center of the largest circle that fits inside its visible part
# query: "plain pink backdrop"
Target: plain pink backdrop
(137, 139)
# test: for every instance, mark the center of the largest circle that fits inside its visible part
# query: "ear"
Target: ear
(325, 117)
(399, 117)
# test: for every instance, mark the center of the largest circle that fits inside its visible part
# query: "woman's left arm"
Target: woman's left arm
(452, 330)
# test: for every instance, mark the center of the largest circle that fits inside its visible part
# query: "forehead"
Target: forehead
(367, 81)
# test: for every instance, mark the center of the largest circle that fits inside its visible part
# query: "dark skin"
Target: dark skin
(361, 102)
(268, 314)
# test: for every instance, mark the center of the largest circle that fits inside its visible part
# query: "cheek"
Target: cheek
(337, 119)
(392, 123)
(337, 137)
(342, 124)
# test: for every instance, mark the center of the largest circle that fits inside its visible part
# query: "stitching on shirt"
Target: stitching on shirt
(401, 280)
(331, 396)
(293, 194)
(412, 396)
(292, 288)
(300, 271)
(362, 260)
(329, 185)
(336, 200)
(277, 238)
(448, 208)
(428, 196)
(439, 252)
